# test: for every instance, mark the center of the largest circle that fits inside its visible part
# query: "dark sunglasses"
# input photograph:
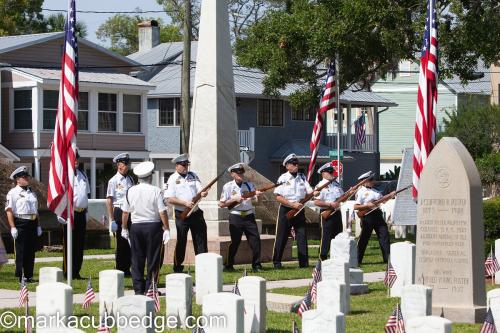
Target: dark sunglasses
(123, 161)
(328, 170)
(184, 163)
(294, 162)
(238, 171)
(23, 175)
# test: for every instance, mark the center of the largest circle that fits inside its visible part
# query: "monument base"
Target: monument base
(471, 315)
(220, 246)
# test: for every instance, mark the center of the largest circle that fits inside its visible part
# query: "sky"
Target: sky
(93, 21)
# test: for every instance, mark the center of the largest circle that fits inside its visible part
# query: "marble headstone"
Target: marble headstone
(111, 287)
(416, 301)
(450, 233)
(497, 256)
(332, 297)
(208, 275)
(428, 324)
(138, 307)
(54, 298)
(403, 262)
(50, 274)
(253, 291)
(179, 296)
(344, 247)
(227, 305)
(493, 302)
(315, 321)
(337, 270)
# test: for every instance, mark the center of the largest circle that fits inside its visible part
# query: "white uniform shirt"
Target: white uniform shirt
(330, 193)
(183, 188)
(21, 201)
(231, 190)
(81, 189)
(293, 188)
(118, 186)
(366, 195)
(145, 202)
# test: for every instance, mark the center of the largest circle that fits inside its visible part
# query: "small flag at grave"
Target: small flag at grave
(23, 293)
(304, 305)
(489, 324)
(28, 325)
(103, 328)
(316, 275)
(395, 323)
(153, 294)
(295, 328)
(390, 276)
(491, 265)
(89, 296)
(236, 290)
(198, 329)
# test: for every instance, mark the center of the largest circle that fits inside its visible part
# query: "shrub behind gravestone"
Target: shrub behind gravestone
(491, 210)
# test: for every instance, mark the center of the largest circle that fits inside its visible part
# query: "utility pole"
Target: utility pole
(186, 79)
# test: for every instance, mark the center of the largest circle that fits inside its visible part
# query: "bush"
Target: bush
(491, 211)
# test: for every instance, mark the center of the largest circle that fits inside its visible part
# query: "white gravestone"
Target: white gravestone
(111, 287)
(50, 274)
(428, 324)
(332, 297)
(208, 268)
(179, 296)
(225, 311)
(337, 270)
(497, 256)
(53, 298)
(132, 311)
(317, 321)
(493, 303)
(344, 247)
(416, 301)
(253, 291)
(403, 262)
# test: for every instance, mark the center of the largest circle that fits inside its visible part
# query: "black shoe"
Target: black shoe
(178, 269)
(229, 269)
(278, 265)
(30, 280)
(256, 269)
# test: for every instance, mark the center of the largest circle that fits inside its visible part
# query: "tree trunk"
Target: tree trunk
(186, 79)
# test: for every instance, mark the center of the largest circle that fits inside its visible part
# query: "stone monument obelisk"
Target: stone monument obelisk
(213, 145)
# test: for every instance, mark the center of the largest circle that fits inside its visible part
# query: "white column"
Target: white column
(144, 119)
(348, 125)
(119, 110)
(92, 177)
(36, 114)
(93, 111)
(375, 128)
(37, 168)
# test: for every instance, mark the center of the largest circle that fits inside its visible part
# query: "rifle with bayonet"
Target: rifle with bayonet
(344, 197)
(250, 194)
(377, 203)
(294, 212)
(197, 198)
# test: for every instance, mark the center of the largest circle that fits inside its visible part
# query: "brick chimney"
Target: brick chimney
(149, 35)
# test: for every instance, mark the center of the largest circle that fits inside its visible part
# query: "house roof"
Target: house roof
(248, 82)
(480, 86)
(44, 74)
(299, 148)
(8, 154)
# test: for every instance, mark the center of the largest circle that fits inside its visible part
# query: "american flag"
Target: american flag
(360, 130)
(305, 305)
(89, 296)
(425, 126)
(236, 290)
(489, 323)
(198, 329)
(395, 323)
(63, 150)
(295, 328)
(491, 265)
(153, 294)
(23, 293)
(328, 102)
(316, 275)
(103, 328)
(390, 276)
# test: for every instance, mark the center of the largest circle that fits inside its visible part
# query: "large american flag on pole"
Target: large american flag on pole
(328, 98)
(426, 127)
(63, 150)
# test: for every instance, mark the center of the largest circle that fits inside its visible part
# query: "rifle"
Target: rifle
(197, 198)
(250, 194)
(294, 212)
(344, 197)
(377, 203)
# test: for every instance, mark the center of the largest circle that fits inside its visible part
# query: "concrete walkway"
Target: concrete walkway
(10, 298)
(60, 259)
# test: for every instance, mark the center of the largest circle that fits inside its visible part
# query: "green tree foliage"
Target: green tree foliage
(20, 17)
(293, 43)
(123, 33)
(56, 22)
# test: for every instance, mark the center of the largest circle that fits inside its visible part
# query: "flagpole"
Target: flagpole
(339, 115)
(387, 272)
(69, 243)
(492, 275)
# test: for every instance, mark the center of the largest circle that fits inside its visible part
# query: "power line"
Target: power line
(111, 12)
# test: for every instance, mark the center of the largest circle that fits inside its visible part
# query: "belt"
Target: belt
(26, 216)
(242, 213)
(80, 210)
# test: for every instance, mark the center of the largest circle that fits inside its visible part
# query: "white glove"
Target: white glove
(39, 231)
(14, 233)
(125, 233)
(61, 220)
(166, 236)
(114, 226)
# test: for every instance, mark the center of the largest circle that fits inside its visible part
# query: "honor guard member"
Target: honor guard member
(149, 229)
(293, 189)
(81, 191)
(182, 186)
(241, 216)
(375, 220)
(332, 226)
(22, 214)
(118, 186)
